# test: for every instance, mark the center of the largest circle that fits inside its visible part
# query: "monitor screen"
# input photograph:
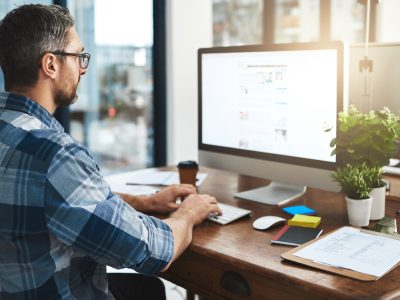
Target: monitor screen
(274, 103)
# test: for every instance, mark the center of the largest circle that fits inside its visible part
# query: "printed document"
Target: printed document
(351, 249)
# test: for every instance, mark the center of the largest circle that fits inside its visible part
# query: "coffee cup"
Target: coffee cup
(187, 171)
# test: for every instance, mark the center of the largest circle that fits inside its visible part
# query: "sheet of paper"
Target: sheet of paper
(160, 178)
(150, 178)
(351, 249)
(118, 184)
(174, 179)
(133, 189)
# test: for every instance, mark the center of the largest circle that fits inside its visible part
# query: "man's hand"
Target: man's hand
(165, 200)
(161, 202)
(196, 208)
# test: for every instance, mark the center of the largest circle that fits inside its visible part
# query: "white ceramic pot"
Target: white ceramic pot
(358, 211)
(378, 196)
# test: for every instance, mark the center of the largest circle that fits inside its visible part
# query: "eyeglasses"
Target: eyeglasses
(84, 58)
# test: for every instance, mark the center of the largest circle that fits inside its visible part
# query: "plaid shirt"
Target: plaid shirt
(59, 222)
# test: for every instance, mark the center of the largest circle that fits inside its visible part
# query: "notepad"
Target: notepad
(305, 221)
(352, 253)
(295, 236)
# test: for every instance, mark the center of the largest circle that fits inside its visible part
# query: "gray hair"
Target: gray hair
(26, 34)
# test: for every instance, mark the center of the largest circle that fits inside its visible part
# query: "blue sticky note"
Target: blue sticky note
(298, 209)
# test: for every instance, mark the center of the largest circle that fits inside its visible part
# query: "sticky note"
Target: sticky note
(305, 221)
(299, 209)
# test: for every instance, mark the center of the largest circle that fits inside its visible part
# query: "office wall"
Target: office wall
(189, 27)
(380, 87)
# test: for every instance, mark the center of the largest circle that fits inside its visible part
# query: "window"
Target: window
(348, 20)
(296, 21)
(237, 22)
(113, 115)
(388, 21)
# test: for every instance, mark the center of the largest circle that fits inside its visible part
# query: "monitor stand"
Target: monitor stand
(275, 193)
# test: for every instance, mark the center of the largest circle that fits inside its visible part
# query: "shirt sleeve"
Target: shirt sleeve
(82, 212)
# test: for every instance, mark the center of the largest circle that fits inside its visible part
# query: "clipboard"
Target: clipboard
(336, 270)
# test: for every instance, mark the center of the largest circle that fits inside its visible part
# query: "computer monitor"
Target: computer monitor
(265, 111)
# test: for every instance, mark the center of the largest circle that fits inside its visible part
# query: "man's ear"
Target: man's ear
(49, 65)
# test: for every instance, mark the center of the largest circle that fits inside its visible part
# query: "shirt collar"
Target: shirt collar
(25, 105)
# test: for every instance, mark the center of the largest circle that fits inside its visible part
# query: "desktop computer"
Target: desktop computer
(271, 111)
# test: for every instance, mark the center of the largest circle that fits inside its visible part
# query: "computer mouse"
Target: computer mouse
(267, 222)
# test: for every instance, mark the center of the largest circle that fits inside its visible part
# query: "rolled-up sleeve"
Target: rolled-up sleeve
(84, 214)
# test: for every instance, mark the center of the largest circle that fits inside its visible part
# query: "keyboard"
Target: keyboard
(229, 214)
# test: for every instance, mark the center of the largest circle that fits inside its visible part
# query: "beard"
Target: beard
(65, 97)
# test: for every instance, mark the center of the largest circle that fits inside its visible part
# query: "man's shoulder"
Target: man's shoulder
(60, 138)
(18, 127)
(62, 142)
(45, 144)
(68, 149)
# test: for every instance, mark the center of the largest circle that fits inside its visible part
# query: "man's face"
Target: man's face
(64, 90)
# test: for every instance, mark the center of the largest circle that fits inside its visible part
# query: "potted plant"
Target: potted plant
(355, 181)
(378, 194)
(371, 138)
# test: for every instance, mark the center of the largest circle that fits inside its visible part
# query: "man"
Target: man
(59, 222)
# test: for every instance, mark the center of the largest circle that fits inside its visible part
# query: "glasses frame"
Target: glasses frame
(84, 58)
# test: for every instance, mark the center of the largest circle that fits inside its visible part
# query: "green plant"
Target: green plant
(376, 177)
(371, 138)
(355, 180)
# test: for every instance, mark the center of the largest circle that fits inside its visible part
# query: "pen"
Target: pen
(132, 183)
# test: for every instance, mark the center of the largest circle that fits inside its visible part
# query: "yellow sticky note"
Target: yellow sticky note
(304, 221)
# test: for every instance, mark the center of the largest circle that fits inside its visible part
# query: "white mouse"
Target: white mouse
(267, 222)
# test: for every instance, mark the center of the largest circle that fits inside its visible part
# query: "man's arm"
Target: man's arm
(161, 202)
(191, 212)
(83, 213)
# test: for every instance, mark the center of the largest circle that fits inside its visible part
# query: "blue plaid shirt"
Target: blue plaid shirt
(59, 222)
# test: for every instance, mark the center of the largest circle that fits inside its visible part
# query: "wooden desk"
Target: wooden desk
(216, 250)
